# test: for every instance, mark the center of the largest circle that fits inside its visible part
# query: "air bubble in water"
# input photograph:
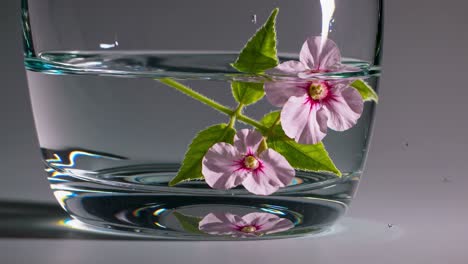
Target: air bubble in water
(254, 19)
(109, 46)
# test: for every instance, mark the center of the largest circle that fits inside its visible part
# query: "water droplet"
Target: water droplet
(405, 145)
(254, 18)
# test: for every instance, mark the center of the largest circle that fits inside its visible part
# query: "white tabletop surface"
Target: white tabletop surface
(387, 223)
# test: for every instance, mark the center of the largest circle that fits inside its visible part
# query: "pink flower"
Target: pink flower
(314, 59)
(226, 166)
(310, 107)
(250, 225)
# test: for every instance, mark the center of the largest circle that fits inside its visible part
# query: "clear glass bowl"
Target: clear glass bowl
(112, 82)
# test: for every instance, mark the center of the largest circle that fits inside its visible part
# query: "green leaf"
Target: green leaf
(259, 54)
(189, 223)
(366, 91)
(192, 165)
(247, 93)
(269, 119)
(302, 157)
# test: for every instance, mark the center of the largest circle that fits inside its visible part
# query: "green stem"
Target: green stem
(234, 116)
(252, 122)
(264, 145)
(210, 102)
(232, 121)
(195, 95)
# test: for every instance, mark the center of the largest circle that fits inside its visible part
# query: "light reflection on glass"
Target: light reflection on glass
(54, 174)
(159, 211)
(296, 181)
(158, 224)
(58, 162)
(137, 212)
(328, 8)
(327, 200)
(71, 189)
(56, 180)
(63, 196)
(273, 211)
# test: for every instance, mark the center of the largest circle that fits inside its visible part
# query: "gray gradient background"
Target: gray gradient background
(415, 178)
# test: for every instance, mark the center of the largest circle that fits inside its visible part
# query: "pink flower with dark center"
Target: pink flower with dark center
(310, 107)
(315, 58)
(250, 225)
(226, 166)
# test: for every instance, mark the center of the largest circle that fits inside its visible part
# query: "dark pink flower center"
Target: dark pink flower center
(248, 229)
(318, 90)
(250, 163)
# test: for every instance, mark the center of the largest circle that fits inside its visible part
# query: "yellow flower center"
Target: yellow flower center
(317, 91)
(251, 162)
(249, 229)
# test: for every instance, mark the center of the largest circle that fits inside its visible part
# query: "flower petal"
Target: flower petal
(221, 223)
(278, 93)
(247, 140)
(305, 123)
(281, 171)
(279, 225)
(275, 173)
(320, 58)
(258, 219)
(341, 68)
(288, 68)
(259, 184)
(345, 68)
(219, 167)
(268, 223)
(344, 108)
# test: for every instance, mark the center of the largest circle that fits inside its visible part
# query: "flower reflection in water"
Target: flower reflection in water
(249, 225)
